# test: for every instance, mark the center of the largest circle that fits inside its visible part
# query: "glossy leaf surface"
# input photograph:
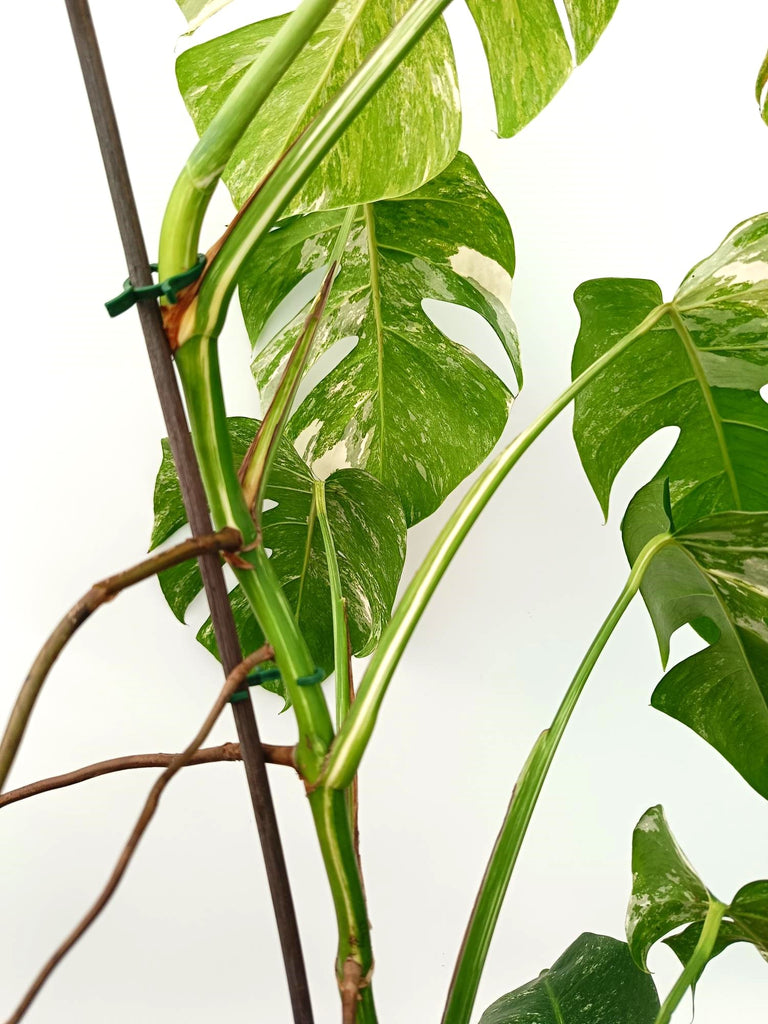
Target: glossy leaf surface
(198, 11)
(667, 893)
(408, 133)
(369, 534)
(528, 54)
(702, 373)
(761, 89)
(407, 404)
(715, 577)
(593, 982)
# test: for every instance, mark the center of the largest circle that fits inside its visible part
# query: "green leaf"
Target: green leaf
(593, 982)
(761, 89)
(701, 369)
(368, 530)
(413, 408)
(666, 891)
(198, 11)
(407, 134)
(715, 577)
(527, 51)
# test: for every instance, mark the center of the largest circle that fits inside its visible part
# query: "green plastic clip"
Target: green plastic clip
(264, 675)
(255, 678)
(317, 677)
(169, 289)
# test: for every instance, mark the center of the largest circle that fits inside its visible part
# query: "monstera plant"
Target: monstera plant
(336, 130)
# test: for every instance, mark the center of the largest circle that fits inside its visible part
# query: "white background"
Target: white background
(651, 153)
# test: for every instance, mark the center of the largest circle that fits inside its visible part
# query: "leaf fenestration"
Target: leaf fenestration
(368, 530)
(409, 405)
(528, 54)
(407, 134)
(593, 982)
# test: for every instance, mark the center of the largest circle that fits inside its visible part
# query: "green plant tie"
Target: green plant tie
(265, 675)
(168, 289)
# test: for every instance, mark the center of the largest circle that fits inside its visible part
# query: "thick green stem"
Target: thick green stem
(199, 371)
(697, 963)
(356, 731)
(485, 913)
(330, 813)
(180, 234)
(207, 310)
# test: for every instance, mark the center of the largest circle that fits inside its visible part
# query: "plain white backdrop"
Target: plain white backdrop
(649, 155)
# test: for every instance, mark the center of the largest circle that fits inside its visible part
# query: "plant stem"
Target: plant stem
(233, 682)
(198, 368)
(485, 913)
(180, 234)
(225, 752)
(697, 963)
(207, 310)
(356, 731)
(199, 371)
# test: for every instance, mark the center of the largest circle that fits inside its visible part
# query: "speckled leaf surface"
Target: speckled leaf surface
(198, 11)
(407, 404)
(715, 577)
(527, 51)
(593, 982)
(407, 134)
(667, 893)
(704, 377)
(761, 89)
(369, 535)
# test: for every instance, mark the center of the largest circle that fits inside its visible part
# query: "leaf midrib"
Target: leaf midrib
(553, 1000)
(373, 263)
(717, 423)
(726, 613)
(323, 78)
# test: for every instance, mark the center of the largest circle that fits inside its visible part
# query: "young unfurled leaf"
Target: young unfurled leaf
(407, 134)
(715, 577)
(700, 368)
(593, 982)
(761, 89)
(667, 893)
(412, 407)
(369, 534)
(527, 51)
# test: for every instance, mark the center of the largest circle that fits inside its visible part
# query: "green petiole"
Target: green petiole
(485, 913)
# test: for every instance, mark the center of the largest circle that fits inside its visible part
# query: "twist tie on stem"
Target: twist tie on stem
(265, 675)
(168, 289)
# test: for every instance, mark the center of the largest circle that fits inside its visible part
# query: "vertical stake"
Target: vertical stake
(193, 494)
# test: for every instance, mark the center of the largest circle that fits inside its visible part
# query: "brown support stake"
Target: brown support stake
(192, 493)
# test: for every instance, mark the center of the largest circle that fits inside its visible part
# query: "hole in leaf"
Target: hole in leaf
(641, 466)
(687, 641)
(467, 327)
(764, 392)
(296, 299)
(326, 364)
